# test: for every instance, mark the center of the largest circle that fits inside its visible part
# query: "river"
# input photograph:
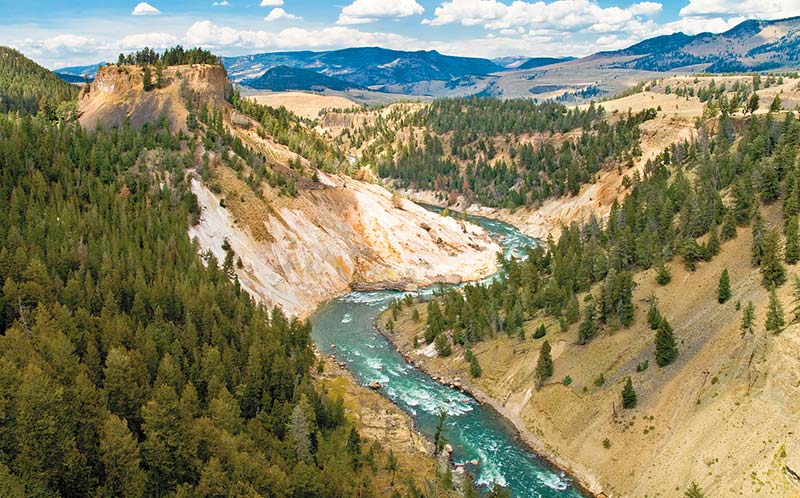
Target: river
(475, 431)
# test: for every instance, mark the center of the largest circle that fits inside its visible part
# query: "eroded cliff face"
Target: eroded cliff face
(296, 252)
(347, 234)
(118, 94)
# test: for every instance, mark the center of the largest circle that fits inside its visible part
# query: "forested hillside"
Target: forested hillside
(26, 87)
(130, 365)
(507, 153)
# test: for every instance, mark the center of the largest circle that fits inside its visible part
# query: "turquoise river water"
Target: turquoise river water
(475, 431)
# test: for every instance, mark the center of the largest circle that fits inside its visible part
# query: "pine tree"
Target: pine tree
(775, 321)
(772, 271)
(147, 78)
(748, 318)
(791, 252)
(653, 315)
(666, 347)
(439, 439)
(573, 312)
(544, 367)
(628, 395)
(694, 491)
(724, 287)
(776, 104)
(588, 327)
(752, 104)
(119, 454)
(728, 226)
(663, 275)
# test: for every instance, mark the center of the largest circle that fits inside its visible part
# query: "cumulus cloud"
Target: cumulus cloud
(68, 43)
(145, 9)
(366, 11)
(566, 15)
(271, 3)
(152, 40)
(223, 3)
(208, 34)
(278, 14)
(760, 9)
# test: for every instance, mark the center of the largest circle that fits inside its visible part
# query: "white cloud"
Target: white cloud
(278, 14)
(366, 11)
(565, 15)
(69, 44)
(223, 3)
(145, 9)
(695, 25)
(152, 40)
(271, 3)
(208, 34)
(760, 9)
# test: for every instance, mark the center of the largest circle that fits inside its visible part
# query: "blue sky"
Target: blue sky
(59, 33)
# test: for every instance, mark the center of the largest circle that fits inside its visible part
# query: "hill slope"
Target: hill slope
(284, 78)
(751, 46)
(23, 84)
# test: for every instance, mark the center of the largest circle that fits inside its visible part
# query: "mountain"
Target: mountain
(750, 46)
(24, 84)
(511, 61)
(283, 78)
(79, 71)
(367, 66)
(535, 62)
(71, 78)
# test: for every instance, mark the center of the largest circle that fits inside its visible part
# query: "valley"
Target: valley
(378, 272)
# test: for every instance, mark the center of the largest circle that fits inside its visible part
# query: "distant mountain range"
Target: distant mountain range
(284, 78)
(77, 74)
(535, 62)
(750, 46)
(367, 67)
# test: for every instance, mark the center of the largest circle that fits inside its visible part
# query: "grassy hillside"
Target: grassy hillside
(714, 388)
(26, 86)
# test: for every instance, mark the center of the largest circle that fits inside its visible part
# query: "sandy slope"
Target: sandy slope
(346, 234)
(723, 415)
(308, 105)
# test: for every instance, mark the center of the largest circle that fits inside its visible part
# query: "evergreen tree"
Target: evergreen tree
(666, 347)
(573, 312)
(663, 275)
(544, 366)
(748, 318)
(653, 315)
(147, 78)
(694, 491)
(439, 439)
(752, 104)
(119, 454)
(776, 104)
(791, 252)
(588, 327)
(628, 395)
(728, 226)
(772, 271)
(724, 287)
(774, 321)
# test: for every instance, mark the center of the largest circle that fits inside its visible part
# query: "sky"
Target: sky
(58, 33)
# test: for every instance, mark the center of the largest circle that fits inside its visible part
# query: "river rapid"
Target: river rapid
(345, 329)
